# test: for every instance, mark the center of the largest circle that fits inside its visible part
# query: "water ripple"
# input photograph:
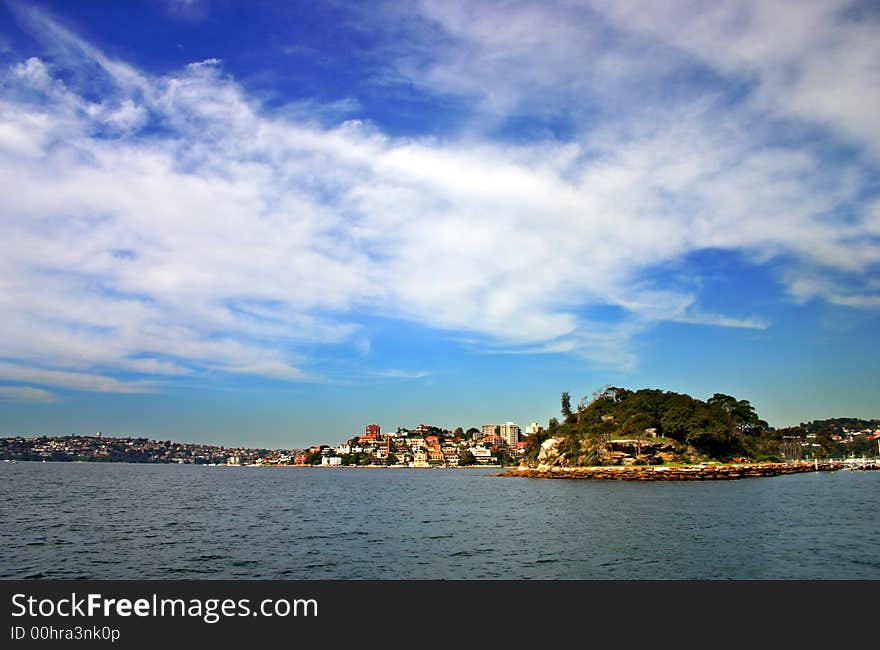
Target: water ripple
(167, 521)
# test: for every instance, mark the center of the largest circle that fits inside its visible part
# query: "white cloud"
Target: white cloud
(815, 59)
(25, 394)
(74, 380)
(188, 10)
(404, 374)
(754, 323)
(232, 237)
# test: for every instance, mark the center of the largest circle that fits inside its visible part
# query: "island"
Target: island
(651, 435)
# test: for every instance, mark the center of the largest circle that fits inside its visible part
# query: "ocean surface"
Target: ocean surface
(126, 521)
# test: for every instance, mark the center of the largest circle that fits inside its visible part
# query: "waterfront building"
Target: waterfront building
(420, 458)
(450, 456)
(482, 454)
(435, 455)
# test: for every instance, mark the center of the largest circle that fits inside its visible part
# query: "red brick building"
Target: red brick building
(372, 432)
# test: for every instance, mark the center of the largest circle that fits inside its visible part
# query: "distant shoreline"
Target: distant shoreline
(269, 465)
(700, 472)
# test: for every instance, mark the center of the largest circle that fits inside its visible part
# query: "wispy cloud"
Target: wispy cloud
(403, 374)
(755, 323)
(817, 60)
(73, 380)
(176, 226)
(27, 394)
(188, 10)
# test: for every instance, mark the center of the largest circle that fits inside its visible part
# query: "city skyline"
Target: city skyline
(242, 223)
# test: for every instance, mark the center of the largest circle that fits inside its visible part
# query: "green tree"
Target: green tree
(391, 459)
(466, 458)
(504, 458)
(566, 405)
(739, 419)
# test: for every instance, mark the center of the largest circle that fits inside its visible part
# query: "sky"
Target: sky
(270, 224)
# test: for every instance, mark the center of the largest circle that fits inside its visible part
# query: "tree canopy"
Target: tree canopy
(722, 427)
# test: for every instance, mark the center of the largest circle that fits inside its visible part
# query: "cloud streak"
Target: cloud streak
(74, 380)
(26, 394)
(403, 374)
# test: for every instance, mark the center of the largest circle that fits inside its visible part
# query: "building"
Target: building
(372, 432)
(420, 458)
(331, 461)
(482, 454)
(533, 428)
(509, 431)
(450, 456)
(489, 429)
(492, 441)
(435, 456)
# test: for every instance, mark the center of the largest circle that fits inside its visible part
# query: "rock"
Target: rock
(549, 453)
(688, 473)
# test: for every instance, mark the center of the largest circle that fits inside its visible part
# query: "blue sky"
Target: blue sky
(248, 223)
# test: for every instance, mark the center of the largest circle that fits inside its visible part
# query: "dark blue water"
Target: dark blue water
(118, 521)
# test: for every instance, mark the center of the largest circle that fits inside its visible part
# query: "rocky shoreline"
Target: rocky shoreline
(682, 473)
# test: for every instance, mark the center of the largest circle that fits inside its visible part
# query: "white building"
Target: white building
(533, 428)
(482, 454)
(509, 431)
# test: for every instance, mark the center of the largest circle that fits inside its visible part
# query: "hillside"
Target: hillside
(655, 426)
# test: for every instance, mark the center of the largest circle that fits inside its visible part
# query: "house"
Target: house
(435, 455)
(482, 454)
(493, 441)
(420, 458)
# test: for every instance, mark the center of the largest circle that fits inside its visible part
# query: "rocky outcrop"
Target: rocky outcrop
(549, 454)
(681, 473)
